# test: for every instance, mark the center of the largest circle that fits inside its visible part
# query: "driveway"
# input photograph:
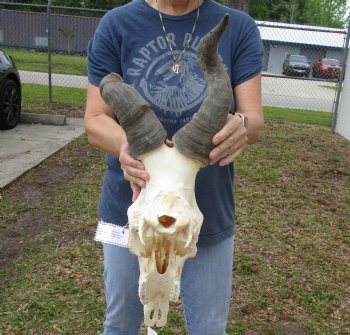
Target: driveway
(29, 144)
(62, 80)
(281, 91)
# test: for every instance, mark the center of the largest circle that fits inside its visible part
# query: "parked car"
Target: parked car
(10, 92)
(297, 65)
(326, 68)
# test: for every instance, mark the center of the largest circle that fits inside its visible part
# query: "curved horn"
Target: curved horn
(144, 132)
(195, 139)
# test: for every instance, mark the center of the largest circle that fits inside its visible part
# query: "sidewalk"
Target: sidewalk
(63, 80)
(27, 145)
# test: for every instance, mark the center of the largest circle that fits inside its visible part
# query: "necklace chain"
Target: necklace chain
(177, 58)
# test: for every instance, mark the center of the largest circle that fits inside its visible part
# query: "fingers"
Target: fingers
(136, 176)
(169, 143)
(136, 190)
(230, 141)
(134, 170)
(228, 129)
(225, 160)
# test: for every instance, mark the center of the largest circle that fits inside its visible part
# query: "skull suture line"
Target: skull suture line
(165, 220)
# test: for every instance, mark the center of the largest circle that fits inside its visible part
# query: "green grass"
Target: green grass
(33, 93)
(31, 60)
(292, 239)
(35, 98)
(42, 297)
(292, 232)
(298, 116)
(295, 225)
(334, 87)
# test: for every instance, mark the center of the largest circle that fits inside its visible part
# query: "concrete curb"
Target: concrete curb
(56, 120)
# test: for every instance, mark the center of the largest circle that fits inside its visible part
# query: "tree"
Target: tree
(328, 13)
(95, 4)
(278, 10)
(260, 10)
(83, 4)
(102, 4)
(68, 35)
(242, 5)
(288, 10)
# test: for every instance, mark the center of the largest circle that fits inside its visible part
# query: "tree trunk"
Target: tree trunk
(242, 5)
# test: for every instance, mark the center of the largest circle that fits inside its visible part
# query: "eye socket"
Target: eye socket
(166, 220)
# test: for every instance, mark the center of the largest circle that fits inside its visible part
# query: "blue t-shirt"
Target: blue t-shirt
(130, 41)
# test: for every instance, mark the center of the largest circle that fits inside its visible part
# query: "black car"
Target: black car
(10, 92)
(297, 65)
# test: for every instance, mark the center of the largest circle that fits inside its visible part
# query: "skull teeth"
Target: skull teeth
(162, 252)
(143, 293)
(174, 295)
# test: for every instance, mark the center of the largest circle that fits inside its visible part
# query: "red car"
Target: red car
(326, 68)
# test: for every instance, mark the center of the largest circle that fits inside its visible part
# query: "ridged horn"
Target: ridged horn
(195, 138)
(143, 130)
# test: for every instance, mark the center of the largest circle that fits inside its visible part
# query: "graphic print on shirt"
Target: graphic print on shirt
(173, 94)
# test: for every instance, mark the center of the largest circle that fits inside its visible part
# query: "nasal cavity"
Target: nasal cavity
(166, 220)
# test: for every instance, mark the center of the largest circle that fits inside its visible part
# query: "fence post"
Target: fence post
(341, 79)
(49, 48)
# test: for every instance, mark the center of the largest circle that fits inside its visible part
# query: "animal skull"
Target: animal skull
(165, 220)
(164, 225)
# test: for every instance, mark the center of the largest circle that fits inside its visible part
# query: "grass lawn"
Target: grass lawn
(31, 60)
(292, 236)
(298, 116)
(35, 95)
(329, 86)
(67, 101)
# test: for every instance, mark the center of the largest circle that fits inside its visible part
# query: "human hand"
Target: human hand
(169, 143)
(229, 141)
(134, 171)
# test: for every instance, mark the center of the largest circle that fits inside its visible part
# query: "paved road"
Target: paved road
(277, 91)
(62, 80)
(298, 93)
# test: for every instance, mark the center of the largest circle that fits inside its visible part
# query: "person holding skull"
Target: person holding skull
(153, 45)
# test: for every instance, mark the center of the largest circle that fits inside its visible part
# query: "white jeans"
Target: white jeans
(206, 285)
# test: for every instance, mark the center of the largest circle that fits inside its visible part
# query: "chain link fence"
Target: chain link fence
(303, 66)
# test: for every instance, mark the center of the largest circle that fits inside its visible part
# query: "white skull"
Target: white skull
(164, 226)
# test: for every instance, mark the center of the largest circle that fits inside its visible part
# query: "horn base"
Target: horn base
(143, 130)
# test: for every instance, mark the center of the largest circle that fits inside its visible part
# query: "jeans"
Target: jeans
(206, 286)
